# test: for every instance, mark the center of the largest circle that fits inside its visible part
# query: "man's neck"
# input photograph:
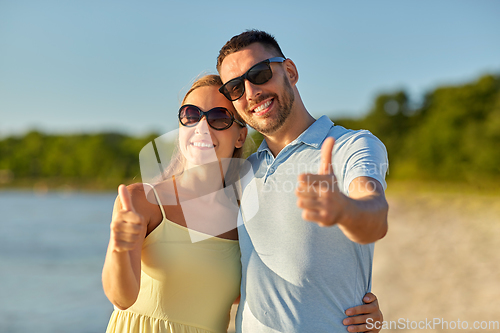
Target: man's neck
(295, 125)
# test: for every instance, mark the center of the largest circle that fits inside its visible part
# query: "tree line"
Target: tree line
(453, 135)
(100, 160)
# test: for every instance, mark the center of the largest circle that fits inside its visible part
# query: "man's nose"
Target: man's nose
(252, 90)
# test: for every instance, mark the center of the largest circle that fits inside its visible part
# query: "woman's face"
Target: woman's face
(202, 144)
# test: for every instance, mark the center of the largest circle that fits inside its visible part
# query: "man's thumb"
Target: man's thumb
(325, 167)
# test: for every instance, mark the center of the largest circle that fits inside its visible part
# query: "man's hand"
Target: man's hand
(127, 227)
(366, 317)
(318, 194)
(362, 216)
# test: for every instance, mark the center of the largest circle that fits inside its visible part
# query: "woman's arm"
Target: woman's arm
(121, 274)
(366, 317)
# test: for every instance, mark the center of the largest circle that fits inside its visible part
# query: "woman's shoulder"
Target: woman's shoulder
(163, 193)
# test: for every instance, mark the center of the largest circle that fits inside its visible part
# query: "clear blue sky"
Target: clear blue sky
(92, 65)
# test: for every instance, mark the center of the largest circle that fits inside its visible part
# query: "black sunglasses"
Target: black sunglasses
(218, 118)
(259, 73)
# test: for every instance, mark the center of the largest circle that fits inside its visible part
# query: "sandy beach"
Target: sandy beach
(440, 260)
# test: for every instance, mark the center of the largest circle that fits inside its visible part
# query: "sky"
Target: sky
(90, 66)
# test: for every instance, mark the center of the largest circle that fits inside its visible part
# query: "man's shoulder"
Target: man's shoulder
(346, 137)
(341, 133)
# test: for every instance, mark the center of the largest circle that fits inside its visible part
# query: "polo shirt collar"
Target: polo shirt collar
(313, 136)
(316, 133)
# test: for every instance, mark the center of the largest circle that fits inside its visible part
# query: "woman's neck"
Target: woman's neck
(199, 180)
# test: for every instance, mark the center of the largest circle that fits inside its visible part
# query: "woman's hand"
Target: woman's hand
(121, 274)
(364, 318)
(127, 226)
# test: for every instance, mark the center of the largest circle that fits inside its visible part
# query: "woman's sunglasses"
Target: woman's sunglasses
(257, 74)
(218, 118)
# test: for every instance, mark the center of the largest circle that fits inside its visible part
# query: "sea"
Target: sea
(52, 249)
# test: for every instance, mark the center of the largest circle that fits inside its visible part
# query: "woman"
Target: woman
(174, 270)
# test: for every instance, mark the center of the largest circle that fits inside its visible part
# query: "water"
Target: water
(52, 249)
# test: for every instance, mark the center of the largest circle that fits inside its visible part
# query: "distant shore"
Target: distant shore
(66, 185)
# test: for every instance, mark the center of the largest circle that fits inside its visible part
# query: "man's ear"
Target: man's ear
(291, 71)
(242, 135)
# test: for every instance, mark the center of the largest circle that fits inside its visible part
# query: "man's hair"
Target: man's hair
(246, 38)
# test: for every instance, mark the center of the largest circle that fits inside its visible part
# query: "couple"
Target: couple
(306, 251)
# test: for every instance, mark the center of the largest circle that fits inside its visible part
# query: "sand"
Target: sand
(440, 261)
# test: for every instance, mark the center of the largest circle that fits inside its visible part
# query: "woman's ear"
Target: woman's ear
(291, 71)
(242, 135)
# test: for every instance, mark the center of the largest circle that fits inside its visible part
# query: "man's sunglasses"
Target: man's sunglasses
(257, 74)
(218, 118)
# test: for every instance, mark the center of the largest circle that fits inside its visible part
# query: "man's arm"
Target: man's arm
(366, 219)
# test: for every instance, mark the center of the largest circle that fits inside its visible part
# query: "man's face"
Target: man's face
(267, 106)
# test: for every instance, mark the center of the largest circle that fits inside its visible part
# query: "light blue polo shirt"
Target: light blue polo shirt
(298, 276)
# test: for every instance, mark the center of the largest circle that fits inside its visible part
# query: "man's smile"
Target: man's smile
(263, 107)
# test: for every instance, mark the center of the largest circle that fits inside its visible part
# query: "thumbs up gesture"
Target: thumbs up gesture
(127, 226)
(318, 194)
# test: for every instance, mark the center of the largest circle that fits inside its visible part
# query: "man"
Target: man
(307, 252)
